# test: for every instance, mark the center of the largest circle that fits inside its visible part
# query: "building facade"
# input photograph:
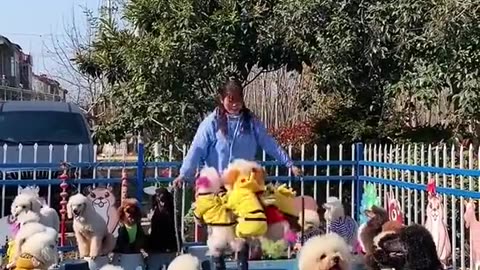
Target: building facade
(48, 89)
(17, 80)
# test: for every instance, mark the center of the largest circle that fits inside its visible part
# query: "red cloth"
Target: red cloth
(273, 215)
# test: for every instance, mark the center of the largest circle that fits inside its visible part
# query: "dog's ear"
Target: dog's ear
(12, 208)
(69, 210)
(87, 190)
(36, 205)
(230, 176)
(109, 188)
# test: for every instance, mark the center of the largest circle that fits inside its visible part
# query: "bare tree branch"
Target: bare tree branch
(84, 90)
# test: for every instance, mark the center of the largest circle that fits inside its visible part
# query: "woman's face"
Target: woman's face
(233, 102)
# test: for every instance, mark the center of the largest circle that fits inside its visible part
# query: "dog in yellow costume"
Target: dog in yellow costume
(210, 208)
(244, 180)
(279, 203)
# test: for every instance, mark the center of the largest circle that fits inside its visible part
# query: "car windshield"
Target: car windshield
(42, 127)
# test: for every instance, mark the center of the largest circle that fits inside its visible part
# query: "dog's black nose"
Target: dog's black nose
(75, 211)
(336, 259)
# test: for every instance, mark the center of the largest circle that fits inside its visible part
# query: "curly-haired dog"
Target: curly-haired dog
(39, 252)
(27, 201)
(421, 250)
(338, 222)
(210, 208)
(377, 217)
(29, 225)
(311, 227)
(131, 238)
(325, 252)
(185, 262)
(49, 215)
(90, 228)
(388, 250)
(411, 248)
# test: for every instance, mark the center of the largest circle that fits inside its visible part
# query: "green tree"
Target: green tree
(164, 66)
(372, 53)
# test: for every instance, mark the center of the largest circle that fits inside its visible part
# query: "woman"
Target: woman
(230, 132)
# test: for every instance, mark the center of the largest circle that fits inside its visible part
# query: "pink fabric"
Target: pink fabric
(202, 182)
(14, 228)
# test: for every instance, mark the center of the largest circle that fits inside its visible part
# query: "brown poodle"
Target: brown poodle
(130, 216)
(377, 218)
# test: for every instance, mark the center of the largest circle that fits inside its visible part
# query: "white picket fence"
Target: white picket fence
(325, 176)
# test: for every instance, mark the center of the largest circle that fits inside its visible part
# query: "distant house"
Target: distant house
(49, 88)
(15, 65)
(17, 80)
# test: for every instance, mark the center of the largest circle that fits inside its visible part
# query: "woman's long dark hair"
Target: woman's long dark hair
(232, 86)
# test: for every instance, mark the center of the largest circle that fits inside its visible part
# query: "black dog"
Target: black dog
(421, 249)
(163, 234)
(412, 248)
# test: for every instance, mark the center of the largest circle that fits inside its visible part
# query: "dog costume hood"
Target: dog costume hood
(245, 183)
(211, 209)
(210, 205)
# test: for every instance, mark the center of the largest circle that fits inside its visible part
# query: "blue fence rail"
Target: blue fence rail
(401, 169)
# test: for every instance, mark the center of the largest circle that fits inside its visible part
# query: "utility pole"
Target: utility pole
(107, 9)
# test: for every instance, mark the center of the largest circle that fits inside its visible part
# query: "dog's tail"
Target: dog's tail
(108, 243)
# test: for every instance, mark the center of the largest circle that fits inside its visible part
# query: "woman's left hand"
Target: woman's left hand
(296, 171)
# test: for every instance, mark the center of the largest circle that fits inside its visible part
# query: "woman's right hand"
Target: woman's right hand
(177, 182)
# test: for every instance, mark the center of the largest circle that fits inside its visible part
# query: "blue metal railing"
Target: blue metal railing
(357, 164)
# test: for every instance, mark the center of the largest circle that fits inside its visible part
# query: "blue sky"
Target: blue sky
(33, 23)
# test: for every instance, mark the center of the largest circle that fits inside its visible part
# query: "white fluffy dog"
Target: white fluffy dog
(29, 201)
(325, 252)
(333, 209)
(208, 205)
(39, 252)
(90, 228)
(29, 225)
(185, 262)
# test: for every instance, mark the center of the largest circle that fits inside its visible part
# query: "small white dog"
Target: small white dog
(185, 262)
(333, 209)
(325, 252)
(49, 215)
(28, 201)
(29, 225)
(90, 228)
(39, 252)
